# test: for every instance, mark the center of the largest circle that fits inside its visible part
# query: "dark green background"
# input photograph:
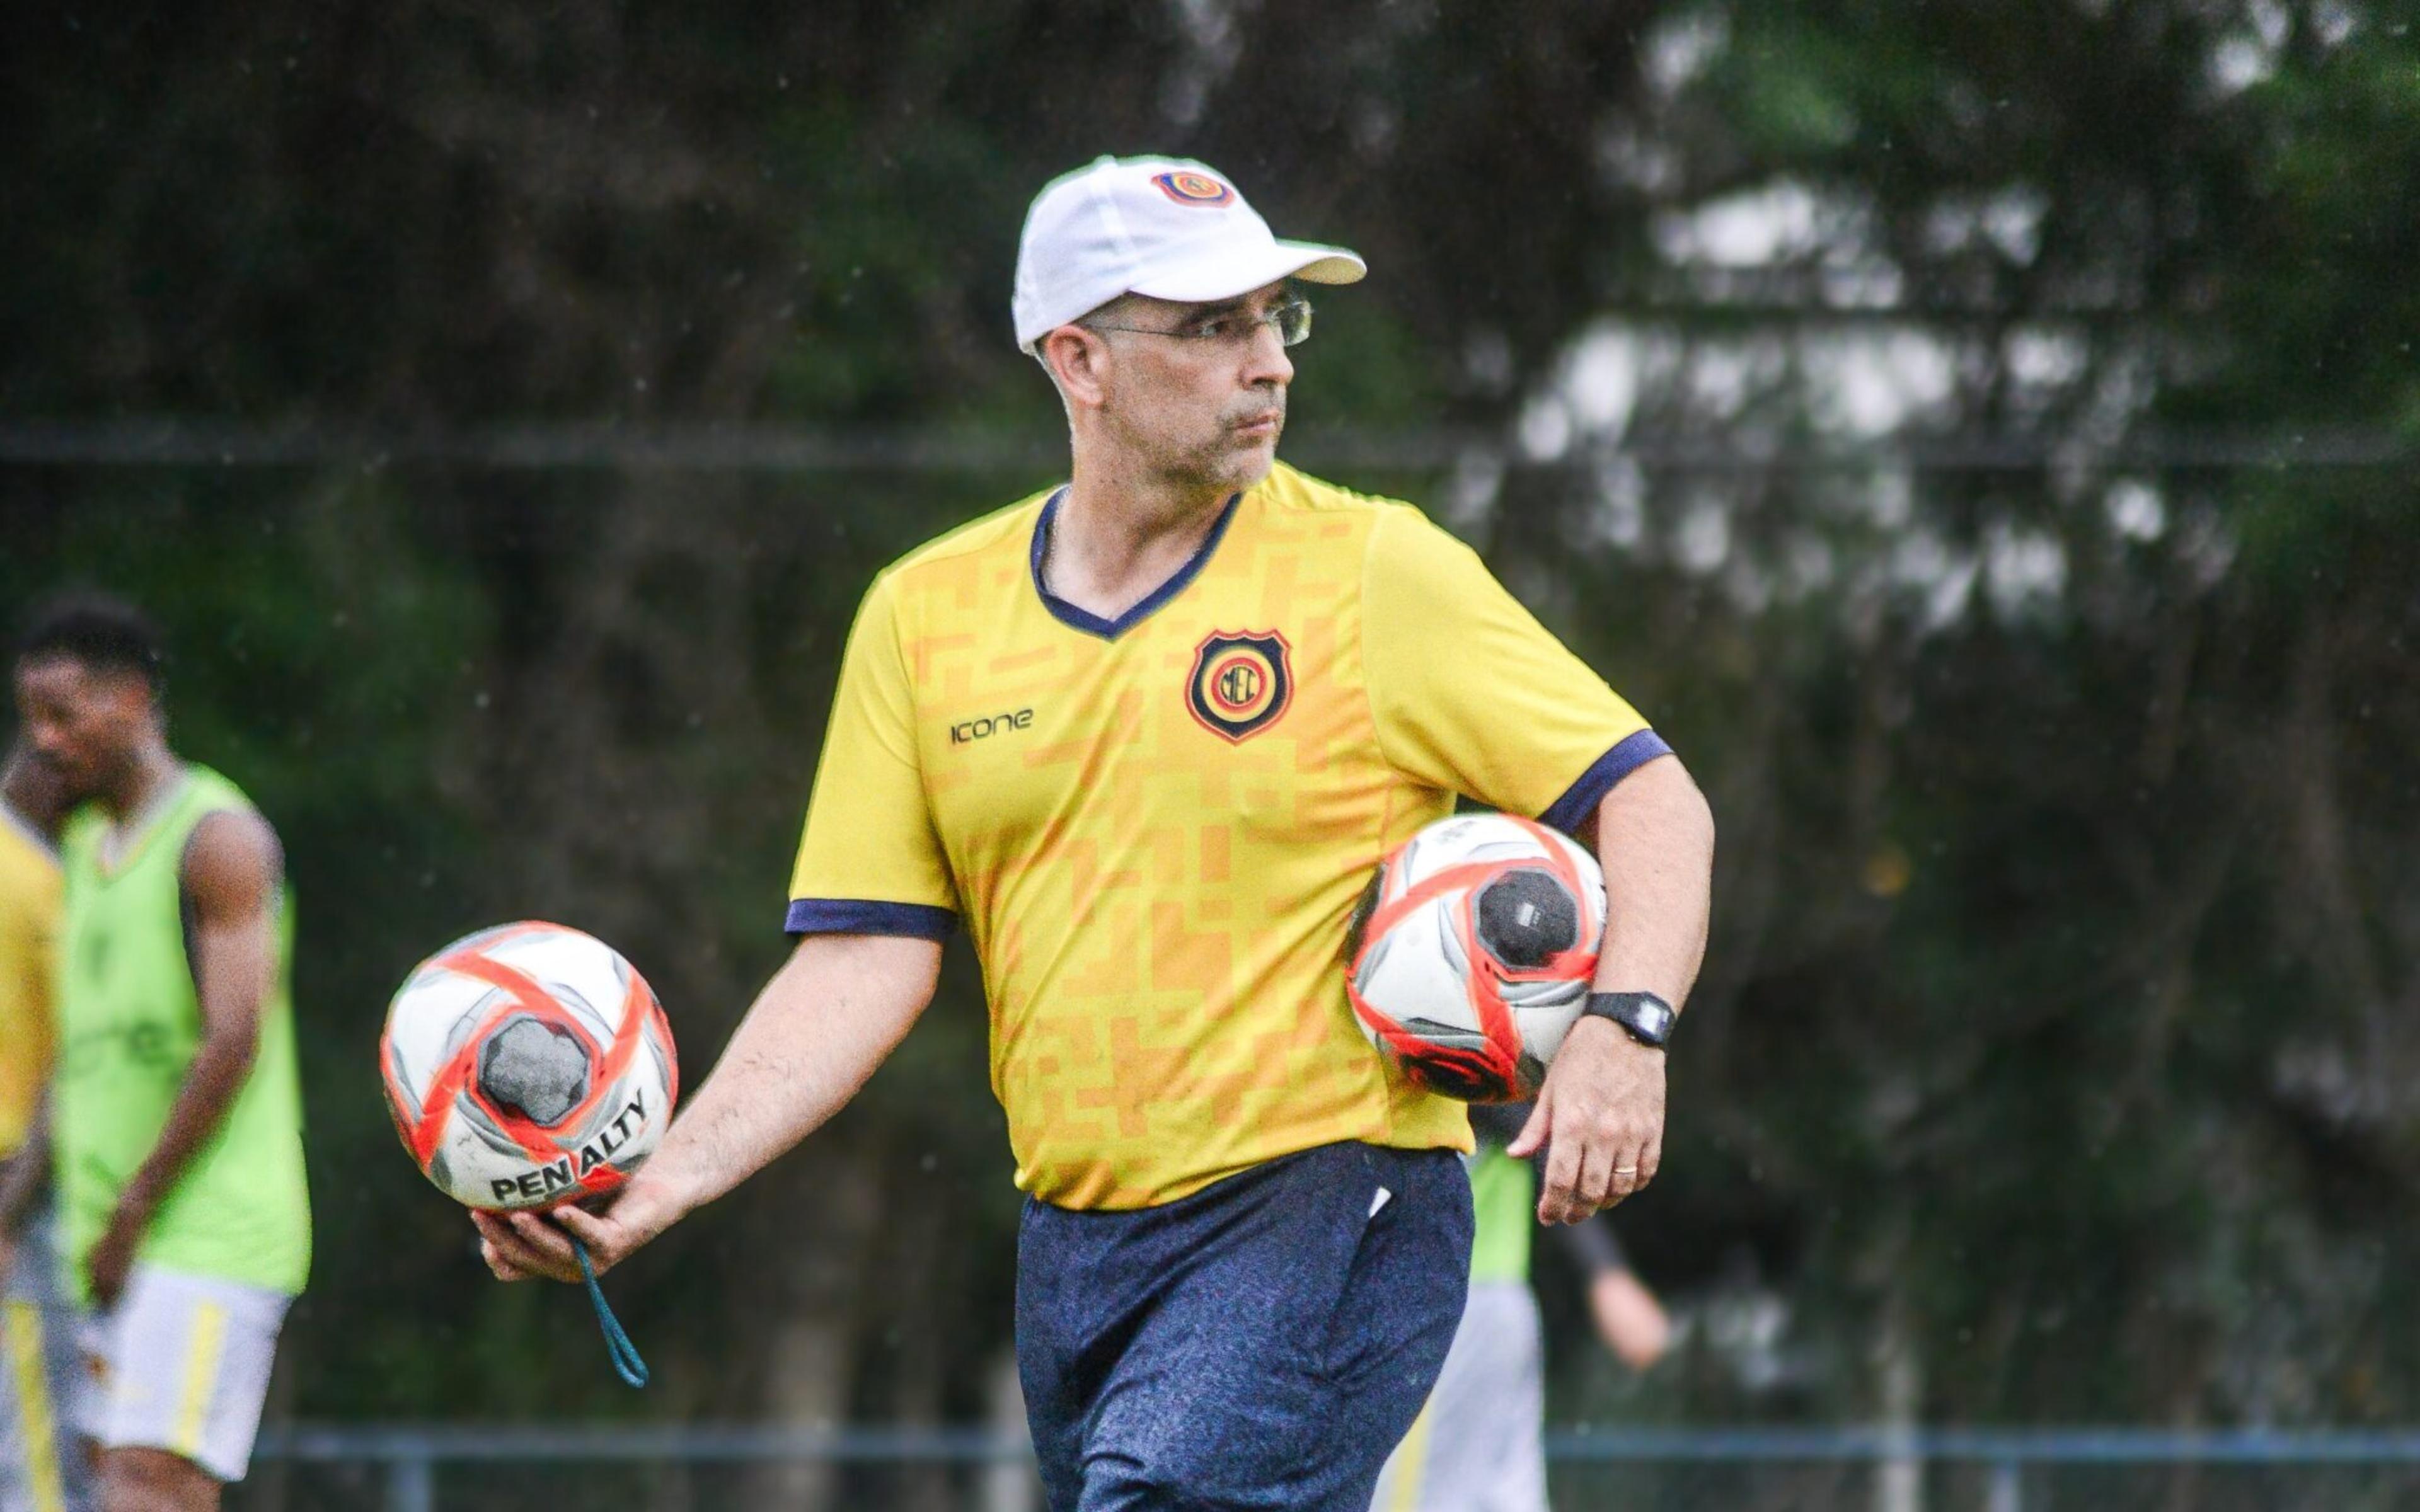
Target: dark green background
(2057, 1035)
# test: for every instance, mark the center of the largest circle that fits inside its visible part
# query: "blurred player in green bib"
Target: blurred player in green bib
(1479, 1444)
(177, 1117)
(42, 1464)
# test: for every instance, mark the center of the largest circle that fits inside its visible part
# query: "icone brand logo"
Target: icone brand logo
(991, 724)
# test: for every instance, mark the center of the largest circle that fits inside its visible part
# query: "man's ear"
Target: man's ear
(1079, 360)
(132, 696)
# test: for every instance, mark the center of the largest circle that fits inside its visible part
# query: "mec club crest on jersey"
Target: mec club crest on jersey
(1242, 682)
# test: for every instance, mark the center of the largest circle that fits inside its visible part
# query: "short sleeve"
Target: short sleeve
(1472, 694)
(1592, 1247)
(869, 861)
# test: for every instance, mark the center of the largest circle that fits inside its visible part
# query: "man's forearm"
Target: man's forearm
(229, 879)
(1600, 1115)
(212, 1079)
(23, 1174)
(819, 1028)
(1655, 840)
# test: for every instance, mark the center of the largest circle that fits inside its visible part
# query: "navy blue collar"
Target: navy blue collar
(1092, 624)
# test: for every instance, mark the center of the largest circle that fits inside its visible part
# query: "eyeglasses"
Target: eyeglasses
(1291, 317)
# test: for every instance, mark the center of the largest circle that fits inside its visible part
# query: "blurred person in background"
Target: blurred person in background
(1147, 734)
(176, 1118)
(44, 1466)
(1479, 1444)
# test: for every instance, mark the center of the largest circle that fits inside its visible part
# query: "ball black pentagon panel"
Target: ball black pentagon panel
(1526, 916)
(533, 1069)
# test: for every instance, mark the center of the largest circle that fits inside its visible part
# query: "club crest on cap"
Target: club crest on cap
(1188, 188)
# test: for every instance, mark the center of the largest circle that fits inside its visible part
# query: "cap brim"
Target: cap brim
(1228, 277)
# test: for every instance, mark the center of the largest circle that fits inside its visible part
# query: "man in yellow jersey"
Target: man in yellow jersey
(1146, 737)
(44, 1466)
(177, 1114)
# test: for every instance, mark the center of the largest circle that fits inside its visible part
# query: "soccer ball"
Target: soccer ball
(527, 1065)
(1473, 952)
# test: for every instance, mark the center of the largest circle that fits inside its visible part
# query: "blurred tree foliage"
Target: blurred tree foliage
(2056, 1040)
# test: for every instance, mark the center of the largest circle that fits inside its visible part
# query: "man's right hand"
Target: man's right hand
(525, 1246)
(840, 1005)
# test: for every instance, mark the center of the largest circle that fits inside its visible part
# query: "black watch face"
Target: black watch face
(1647, 1017)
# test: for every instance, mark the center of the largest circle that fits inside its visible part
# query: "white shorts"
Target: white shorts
(183, 1365)
(1480, 1445)
(43, 1466)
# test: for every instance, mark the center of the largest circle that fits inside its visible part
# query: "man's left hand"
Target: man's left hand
(1600, 1117)
(113, 1255)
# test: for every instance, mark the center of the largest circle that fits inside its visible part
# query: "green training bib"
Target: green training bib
(1504, 1201)
(129, 1024)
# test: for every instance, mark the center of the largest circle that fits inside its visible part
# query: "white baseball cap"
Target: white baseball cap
(1168, 227)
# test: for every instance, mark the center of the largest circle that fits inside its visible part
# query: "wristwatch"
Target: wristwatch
(1643, 1016)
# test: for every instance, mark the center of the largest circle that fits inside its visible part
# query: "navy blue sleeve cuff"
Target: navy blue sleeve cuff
(1577, 805)
(865, 915)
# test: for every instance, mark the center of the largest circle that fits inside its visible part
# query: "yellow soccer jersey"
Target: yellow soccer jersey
(1155, 827)
(29, 922)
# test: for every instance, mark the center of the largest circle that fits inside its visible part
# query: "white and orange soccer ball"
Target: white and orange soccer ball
(1473, 953)
(527, 1065)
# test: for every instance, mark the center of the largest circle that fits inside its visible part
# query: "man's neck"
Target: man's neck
(1114, 539)
(145, 778)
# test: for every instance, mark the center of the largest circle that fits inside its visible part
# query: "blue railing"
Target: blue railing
(2018, 1447)
(408, 1456)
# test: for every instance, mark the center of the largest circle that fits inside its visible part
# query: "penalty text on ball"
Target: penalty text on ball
(563, 1172)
